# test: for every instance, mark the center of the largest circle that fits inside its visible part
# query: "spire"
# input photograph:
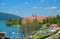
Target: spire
(32, 15)
(35, 14)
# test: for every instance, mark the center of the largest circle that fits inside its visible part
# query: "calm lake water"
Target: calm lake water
(9, 30)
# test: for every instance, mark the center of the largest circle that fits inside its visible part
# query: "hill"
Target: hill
(6, 16)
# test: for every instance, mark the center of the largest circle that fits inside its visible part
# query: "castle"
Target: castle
(34, 17)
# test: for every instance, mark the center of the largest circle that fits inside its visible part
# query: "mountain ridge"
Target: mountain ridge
(6, 16)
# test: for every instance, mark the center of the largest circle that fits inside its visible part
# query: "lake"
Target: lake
(10, 30)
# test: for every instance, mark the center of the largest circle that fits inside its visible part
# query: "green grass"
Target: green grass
(45, 30)
(59, 36)
(42, 36)
(32, 33)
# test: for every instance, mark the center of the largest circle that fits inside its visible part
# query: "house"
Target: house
(54, 26)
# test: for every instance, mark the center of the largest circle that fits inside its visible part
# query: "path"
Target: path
(54, 36)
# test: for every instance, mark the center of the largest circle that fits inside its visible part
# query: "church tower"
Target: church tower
(34, 15)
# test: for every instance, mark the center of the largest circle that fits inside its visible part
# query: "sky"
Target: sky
(25, 8)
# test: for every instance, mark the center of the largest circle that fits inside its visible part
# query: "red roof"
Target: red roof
(33, 18)
(54, 25)
(40, 19)
(25, 18)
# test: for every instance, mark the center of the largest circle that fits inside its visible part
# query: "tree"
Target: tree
(14, 21)
(27, 27)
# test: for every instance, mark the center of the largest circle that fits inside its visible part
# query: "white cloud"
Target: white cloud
(26, 3)
(3, 3)
(49, 11)
(35, 7)
(54, 0)
(11, 11)
(40, 7)
(15, 12)
(58, 10)
(42, 0)
(51, 8)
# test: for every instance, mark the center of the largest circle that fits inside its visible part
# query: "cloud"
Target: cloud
(50, 8)
(15, 12)
(11, 11)
(49, 11)
(54, 0)
(3, 3)
(40, 7)
(35, 7)
(26, 3)
(58, 10)
(42, 1)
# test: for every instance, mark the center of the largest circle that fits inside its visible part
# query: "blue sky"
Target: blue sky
(25, 8)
